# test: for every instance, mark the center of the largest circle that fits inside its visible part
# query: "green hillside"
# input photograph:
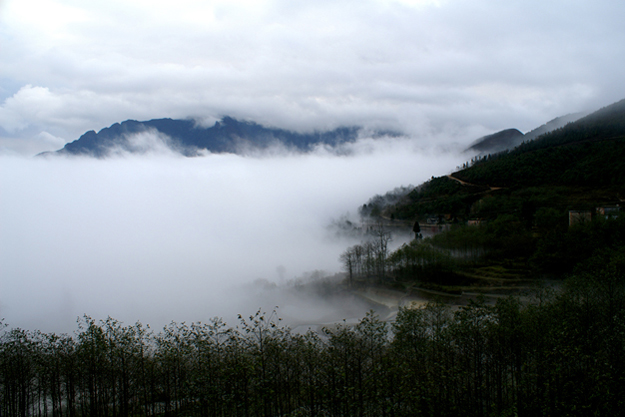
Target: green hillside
(589, 152)
(535, 211)
(576, 167)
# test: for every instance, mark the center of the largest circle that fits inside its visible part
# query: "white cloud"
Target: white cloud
(27, 103)
(308, 65)
(158, 237)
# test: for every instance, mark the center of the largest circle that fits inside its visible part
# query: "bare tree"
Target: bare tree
(380, 246)
(348, 259)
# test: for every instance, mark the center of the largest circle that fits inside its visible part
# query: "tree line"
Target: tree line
(559, 352)
(368, 259)
(370, 262)
(519, 231)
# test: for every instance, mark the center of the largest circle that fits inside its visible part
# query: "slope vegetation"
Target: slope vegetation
(578, 166)
(539, 210)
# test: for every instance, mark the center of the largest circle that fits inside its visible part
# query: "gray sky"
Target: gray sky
(446, 69)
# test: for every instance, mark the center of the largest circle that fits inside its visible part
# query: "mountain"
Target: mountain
(541, 209)
(187, 138)
(496, 142)
(510, 138)
(578, 166)
(551, 125)
(589, 152)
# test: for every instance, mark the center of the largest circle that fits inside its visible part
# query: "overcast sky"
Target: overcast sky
(455, 69)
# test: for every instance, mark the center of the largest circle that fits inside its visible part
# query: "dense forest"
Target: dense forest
(557, 352)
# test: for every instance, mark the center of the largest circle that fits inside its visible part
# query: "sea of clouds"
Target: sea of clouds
(158, 237)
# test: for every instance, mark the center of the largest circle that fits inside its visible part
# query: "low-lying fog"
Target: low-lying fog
(158, 237)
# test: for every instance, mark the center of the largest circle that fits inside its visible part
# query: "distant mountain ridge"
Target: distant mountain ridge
(499, 141)
(227, 135)
(510, 138)
(552, 125)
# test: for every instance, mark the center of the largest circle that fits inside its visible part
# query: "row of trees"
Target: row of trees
(437, 258)
(563, 353)
(368, 259)
(546, 246)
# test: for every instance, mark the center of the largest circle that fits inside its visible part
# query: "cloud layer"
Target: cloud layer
(160, 237)
(449, 68)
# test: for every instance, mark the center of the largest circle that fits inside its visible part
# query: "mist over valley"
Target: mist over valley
(159, 237)
(347, 208)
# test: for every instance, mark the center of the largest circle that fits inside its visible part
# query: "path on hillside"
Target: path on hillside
(450, 176)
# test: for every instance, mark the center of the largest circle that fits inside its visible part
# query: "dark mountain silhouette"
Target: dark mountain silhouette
(496, 142)
(579, 165)
(510, 138)
(589, 152)
(184, 136)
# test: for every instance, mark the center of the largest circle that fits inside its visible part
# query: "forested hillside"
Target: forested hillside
(537, 210)
(584, 160)
(589, 152)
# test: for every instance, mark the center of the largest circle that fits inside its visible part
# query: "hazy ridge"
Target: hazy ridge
(189, 138)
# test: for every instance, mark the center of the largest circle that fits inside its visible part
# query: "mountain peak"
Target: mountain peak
(227, 135)
(496, 142)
